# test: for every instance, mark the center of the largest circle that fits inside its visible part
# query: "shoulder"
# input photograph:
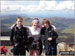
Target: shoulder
(12, 30)
(54, 27)
(30, 27)
(12, 26)
(24, 28)
(43, 28)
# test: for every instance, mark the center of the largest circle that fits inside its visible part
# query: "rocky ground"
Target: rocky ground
(64, 48)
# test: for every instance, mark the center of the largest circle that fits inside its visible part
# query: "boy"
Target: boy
(19, 38)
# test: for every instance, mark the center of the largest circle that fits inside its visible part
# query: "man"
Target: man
(19, 38)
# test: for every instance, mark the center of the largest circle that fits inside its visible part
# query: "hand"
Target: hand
(42, 26)
(49, 38)
(12, 26)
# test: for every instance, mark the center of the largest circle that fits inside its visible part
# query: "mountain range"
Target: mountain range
(64, 26)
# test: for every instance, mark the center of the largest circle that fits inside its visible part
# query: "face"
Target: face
(35, 24)
(19, 22)
(46, 25)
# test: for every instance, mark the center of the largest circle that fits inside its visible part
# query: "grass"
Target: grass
(69, 30)
(64, 36)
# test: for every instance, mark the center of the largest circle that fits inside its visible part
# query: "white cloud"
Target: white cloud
(47, 5)
(65, 5)
(52, 5)
(43, 6)
(20, 6)
(28, 8)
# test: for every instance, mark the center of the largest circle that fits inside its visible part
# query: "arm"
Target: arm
(43, 38)
(26, 39)
(12, 26)
(55, 35)
(54, 28)
(11, 36)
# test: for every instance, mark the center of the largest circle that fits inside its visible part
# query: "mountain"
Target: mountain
(69, 30)
(64, 26)
(60, 23)
(8, 20)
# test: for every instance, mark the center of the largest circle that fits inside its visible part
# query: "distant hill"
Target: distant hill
(60, 23)
(70, 30)
(7, 21)
(64, 26)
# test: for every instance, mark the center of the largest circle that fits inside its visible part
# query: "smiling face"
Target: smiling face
(35, 24)
(46, 23)
(19, 22)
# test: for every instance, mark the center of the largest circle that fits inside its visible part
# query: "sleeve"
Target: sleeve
(11, 36)
(12, 26)
(26, 39)
(25, 36)
(42, 31)
(43, 38)
(54, 27)
(40, 46)
(55, 35)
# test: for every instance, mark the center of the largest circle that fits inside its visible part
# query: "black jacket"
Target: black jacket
(19, 36)
(49, 33)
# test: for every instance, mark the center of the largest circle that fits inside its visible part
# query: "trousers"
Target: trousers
(19, 50)
(50, 50)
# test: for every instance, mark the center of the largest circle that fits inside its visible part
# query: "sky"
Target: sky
(62, 8)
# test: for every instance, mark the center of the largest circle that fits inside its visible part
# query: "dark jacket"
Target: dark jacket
(18, 36)
(49, 33)
(33, 40)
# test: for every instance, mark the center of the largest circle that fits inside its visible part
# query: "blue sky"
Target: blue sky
(39, 8)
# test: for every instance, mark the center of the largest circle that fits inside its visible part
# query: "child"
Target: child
(19, 38)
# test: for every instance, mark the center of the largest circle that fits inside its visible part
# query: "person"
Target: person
(50, 36)
(35, 43)
(35, 28)
(19, 37)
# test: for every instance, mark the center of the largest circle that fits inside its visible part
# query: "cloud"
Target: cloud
(29, 8)
(52, 5)
(32, 7)
(47, 5)
(43, 5)
(18, 6)
(67, 5)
